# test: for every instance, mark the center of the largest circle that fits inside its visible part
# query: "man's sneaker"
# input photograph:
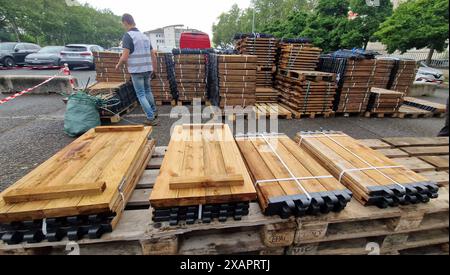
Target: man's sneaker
(153, 122)
(156, 114)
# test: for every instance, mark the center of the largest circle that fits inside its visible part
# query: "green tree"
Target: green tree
(49, 22)
(417, 24)
(329, 22)
(360, 31)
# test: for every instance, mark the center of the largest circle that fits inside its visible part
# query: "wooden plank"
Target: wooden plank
(441, 178)
(205, 151)
(187, 182)
(426, 151)
(54, 192)
(415, 164)
(376, 144)
(414, 141)
(393, 153)
(104, 129)
(441, 163)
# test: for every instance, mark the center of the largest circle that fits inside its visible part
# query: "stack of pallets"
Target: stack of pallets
(190, 73)
(354, 95)
(202, 177)
(164, 84)
(403, 76)
(384, 101)
(298, 56)
(237, 80)
(81, 191)
(307, 92)
(119, 97)
(373, 178)
(383, 71)
(105, 66)
(267, 95)
(288, 180)
(266, 50)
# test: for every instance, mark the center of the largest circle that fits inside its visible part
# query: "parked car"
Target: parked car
(50, 55)
(79, 55)
(13, 53)
(430, 75)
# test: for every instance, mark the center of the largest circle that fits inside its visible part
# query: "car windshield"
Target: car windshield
(51, 49)
(75, 49)
(7, 46)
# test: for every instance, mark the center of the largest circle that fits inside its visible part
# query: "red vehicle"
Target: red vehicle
(194, 40)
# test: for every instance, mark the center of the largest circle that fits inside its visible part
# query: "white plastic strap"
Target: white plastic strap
(200, 211)
(365, 169)
(44, 226)
(286, 167)
(363, 160)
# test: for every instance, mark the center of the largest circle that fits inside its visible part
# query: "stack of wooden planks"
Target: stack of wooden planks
(298, 56)
(403, 76)
(190, 72)
(426, 105)
(288, 180)
(267, 95)
(119, 97)
(81, 191)
(163, 81)
(105, 66)
(266, 50)
(357, 80)
(383, 71)
(307, 92)
(202, 177)
(372, 177)
(237, 80)
(384, 101)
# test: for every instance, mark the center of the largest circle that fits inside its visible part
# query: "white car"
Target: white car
(430, 75)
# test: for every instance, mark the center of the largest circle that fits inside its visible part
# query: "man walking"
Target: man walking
(138, 54)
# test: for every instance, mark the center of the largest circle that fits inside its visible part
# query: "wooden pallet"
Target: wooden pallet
(116, 118)
(269, 110)
(172, 103)
(426, 105)
(413, 112)
(257, 234)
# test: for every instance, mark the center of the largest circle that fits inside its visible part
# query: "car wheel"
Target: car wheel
(9, 62)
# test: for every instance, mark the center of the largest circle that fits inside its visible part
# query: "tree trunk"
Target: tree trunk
(366, 43)
(430, 55)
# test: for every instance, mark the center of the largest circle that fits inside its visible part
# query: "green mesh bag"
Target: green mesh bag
(81, 114)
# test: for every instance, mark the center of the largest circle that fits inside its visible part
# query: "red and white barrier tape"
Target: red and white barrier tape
(3, 101)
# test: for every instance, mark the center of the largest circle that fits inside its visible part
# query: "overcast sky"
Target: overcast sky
(197, 14)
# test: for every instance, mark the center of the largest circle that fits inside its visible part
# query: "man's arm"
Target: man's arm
(123, 58)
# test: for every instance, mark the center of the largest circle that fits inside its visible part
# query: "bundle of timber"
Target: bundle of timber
(164, 86)
(237, 80)
(288, 180)
(267, 95)
(213, 89)
(202, 177)
(435, 108)
(265, 48)
(105, 66)
(81, 191)
(384, 101)
(307, 92)
(191, 75)
(373, 178)
(383, 72)
(119, 97)
(403, 76)
(300, 55)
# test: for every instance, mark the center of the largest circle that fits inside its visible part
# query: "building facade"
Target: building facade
(167, 38)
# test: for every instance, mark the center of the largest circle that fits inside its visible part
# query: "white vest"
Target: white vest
(140, 61)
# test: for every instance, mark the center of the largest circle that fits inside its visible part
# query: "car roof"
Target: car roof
(81, 45)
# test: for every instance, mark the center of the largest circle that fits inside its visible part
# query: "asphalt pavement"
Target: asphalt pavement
(31, 127)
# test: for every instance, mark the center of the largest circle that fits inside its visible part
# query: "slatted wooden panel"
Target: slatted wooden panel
(275, 158)
(113, 155)
(381, 186)
(199, 152)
